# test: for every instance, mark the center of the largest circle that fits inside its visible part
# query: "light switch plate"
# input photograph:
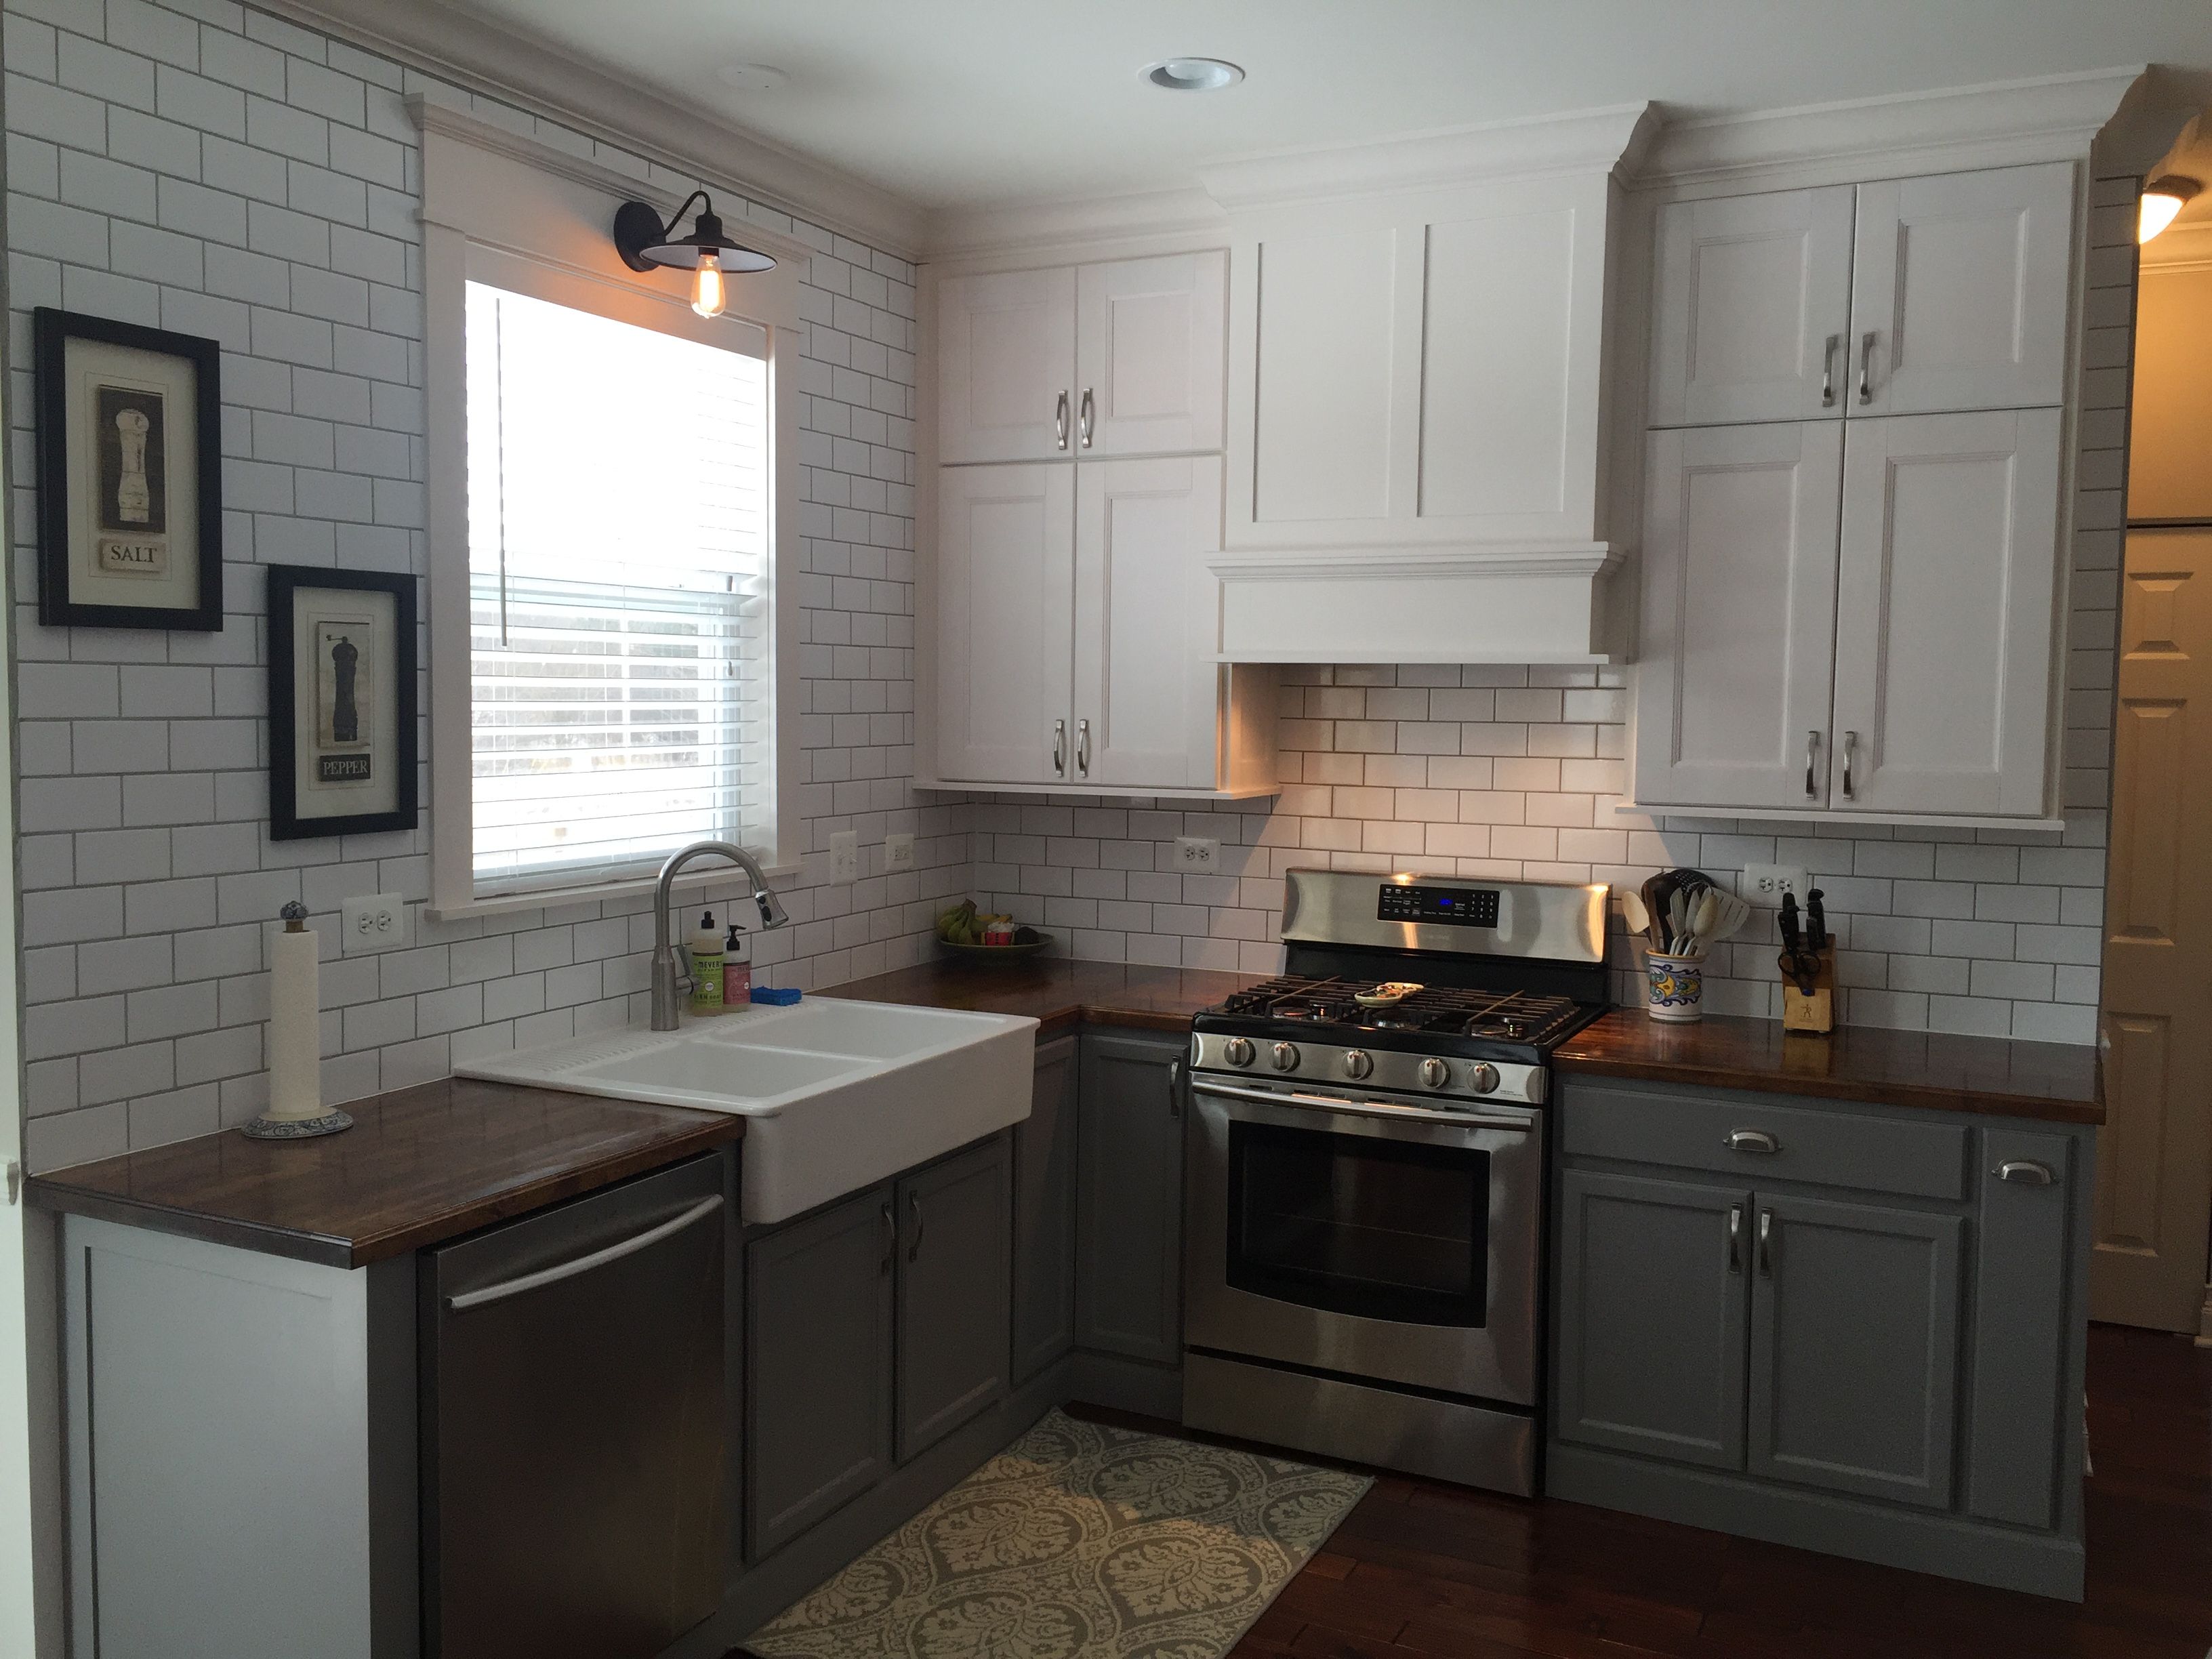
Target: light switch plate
(898, 851)
(1197, 855)
(1766, 884)
(845, 857)
(378, 923)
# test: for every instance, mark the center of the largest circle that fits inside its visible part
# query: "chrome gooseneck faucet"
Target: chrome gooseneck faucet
(667, 1003)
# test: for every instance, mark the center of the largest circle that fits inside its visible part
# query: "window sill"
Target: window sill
(692, 881)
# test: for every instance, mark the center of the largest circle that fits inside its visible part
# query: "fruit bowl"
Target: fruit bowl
(979, 953)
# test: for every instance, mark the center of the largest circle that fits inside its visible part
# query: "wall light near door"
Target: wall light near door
(644, 242)
(2162, 198)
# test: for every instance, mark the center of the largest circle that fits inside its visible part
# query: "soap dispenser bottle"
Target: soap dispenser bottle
(706, 947)
(737, 969)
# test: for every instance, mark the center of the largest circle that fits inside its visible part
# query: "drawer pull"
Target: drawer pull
(2026, 1172)
(1735, 1238)
(1766, 1244)
(1752, 1140)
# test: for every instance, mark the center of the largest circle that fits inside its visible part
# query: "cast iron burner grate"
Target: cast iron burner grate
(1513, 1016)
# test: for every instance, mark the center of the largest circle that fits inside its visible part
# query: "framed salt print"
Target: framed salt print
(130, 462)
(341, 701)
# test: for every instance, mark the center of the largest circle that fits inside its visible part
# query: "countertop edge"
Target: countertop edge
(1924, 1096)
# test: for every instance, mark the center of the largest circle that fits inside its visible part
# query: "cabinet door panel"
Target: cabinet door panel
(1148, 353)
(1651, 1317)
(1128, 1281)
(1044, 1214)
(1752, 308)
(2022, 1322)
(819, 1365)
(1961, 281)
(1855, 1348)
(953, 1288)
(1735, 669)
(1005, 350)
(1005, 619)
(1946, 597)
(1144, 678)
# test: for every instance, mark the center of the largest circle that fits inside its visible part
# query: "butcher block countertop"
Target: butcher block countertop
(419, 1166)
(2056, 1082)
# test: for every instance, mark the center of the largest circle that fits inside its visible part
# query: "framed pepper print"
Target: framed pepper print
(129, 464)
(341, 701)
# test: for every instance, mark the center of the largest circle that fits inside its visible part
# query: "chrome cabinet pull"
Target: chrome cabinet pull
(2026, 1172)
(1866, 364)
(1851, 746)
(1059, 419)
(584, 1264)
(1082, 747)
(1811, 762)
(1089, 418)
(891, 1236)
(1828, 371)
(1176, 1069)
(1735, 1238)
(1059, 748)
(1752, 1140)
(913, 1209)
(1766, 1245)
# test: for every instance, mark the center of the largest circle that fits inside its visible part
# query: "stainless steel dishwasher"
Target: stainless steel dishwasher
(573, 1448)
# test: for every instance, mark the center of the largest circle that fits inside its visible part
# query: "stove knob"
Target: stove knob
(1237, 1051)
(1357, 1064)
(1485, 1078)
(1286, 1056)
(1434, 1073)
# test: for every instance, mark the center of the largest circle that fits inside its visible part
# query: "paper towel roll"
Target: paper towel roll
(296, 1067)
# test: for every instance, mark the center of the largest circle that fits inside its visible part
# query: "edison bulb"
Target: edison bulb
(708, 296)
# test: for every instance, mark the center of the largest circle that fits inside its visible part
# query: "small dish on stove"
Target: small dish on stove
(1385, 995)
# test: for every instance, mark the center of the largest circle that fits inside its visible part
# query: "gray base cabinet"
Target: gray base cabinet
(953, 1285)
(1045, 1152)
(1128, 1278)
(1813, 1323)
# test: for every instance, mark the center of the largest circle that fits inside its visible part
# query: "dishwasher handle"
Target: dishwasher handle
(584, 1264)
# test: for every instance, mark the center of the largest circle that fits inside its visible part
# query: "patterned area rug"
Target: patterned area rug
(1077, 1539)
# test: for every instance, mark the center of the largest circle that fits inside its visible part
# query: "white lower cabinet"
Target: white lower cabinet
(1851, 618)
(1076, 626)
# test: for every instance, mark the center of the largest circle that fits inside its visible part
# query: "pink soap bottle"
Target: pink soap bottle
(737, 969)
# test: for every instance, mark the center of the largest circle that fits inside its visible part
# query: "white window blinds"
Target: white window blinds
(621, 683)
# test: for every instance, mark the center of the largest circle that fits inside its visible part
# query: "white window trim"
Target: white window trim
(503, 194)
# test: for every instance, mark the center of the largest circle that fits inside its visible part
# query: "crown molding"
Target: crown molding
(482, 55)
(2178, 247)
(1052, 227)
(1532, 558)
(2052, 117)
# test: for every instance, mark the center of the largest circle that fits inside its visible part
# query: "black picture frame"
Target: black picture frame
(51, 331)
(286, 821)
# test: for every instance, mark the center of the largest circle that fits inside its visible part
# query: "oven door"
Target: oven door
(1367, 1234)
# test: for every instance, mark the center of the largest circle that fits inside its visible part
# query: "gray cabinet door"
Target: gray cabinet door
(1044, 1214)
(1855, 1347)
(2025, 1327)
(1651, 1306)
(819, 1365)
(953, 1283)
(1128, 1271)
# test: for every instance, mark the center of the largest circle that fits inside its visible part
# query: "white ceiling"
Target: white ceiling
(963, 103)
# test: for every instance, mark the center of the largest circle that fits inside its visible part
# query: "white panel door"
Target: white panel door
(1734, 670)
(1150, 372)
(1005, 616)
(1751, 307)
(1006, 374)
(1946, 594)
(1958, 291)
(1146, 686)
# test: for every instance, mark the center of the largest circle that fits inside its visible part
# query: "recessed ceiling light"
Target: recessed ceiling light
(752, 77)
(1193, 74)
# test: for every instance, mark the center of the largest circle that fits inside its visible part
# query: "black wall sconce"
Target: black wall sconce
(644, 242)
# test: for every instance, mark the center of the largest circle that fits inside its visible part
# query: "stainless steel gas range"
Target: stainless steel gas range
(1363, 1243)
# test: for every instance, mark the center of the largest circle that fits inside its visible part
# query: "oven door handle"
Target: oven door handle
(1379, 1109)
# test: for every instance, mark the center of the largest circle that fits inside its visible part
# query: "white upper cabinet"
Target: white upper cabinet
(1117, 358)
(1754, 299)
(1739, 615)
(1947, 595)
(1006, 377)
(1958, 291)
(1006, 612)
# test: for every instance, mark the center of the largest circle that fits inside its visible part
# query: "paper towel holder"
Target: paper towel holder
(295, 1110)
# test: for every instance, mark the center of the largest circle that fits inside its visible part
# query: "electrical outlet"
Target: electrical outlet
(376, 923)
(845, 858)
(898, 851)
(1197, 855)
(1766, 884)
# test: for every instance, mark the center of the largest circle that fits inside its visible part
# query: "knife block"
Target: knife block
(1815, 1011)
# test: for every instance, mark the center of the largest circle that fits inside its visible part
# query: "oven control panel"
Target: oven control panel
(1470, 1082)
(1461, 907)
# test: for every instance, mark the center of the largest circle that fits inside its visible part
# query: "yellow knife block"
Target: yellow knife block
(1815, 1011)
